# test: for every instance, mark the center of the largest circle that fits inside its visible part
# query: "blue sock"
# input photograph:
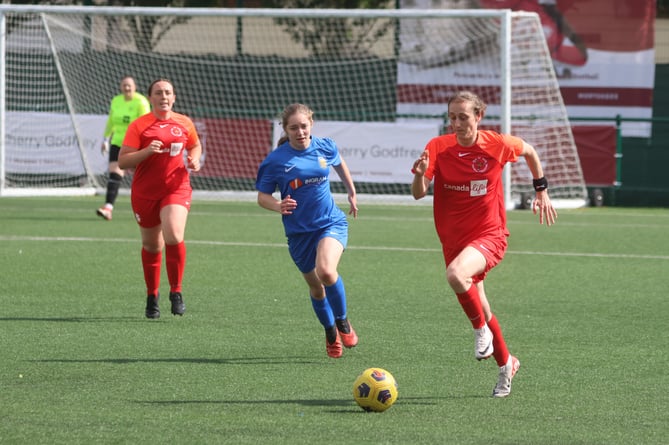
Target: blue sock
(323, 312)
(336, 295)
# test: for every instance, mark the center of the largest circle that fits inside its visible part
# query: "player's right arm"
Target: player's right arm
(131, 154)
(420, 184)
(104, 148)
(269, 202)
(130, 157)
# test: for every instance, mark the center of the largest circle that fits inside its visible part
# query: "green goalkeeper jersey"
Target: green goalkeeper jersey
(121, 113)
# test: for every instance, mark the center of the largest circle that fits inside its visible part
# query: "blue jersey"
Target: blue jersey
(303, 174)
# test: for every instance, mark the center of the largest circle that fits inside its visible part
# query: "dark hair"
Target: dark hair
(468, 96)
(288, 112)
(162, 79)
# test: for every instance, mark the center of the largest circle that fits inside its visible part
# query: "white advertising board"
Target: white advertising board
(376, 151)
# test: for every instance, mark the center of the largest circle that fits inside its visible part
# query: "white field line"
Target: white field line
(371, 248)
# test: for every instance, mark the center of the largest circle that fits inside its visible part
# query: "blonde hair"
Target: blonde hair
(288, 112)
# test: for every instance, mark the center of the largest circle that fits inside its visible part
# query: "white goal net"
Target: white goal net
(377, 80)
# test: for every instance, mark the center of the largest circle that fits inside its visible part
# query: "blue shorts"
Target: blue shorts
(302, 247)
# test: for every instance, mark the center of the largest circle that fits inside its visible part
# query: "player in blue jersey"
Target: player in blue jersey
(317, 230)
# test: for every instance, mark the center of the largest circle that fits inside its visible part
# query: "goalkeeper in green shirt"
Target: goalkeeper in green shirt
(124, 108)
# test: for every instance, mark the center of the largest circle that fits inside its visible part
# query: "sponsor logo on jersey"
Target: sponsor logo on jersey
(295, 183)
(478, 188)
(474, 188)
(316, 180)
(457, 187)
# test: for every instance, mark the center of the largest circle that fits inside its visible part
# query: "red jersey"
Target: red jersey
(468, 190)
(161, 173)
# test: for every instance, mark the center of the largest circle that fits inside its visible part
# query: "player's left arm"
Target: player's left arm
(194, 147)
(194, 155)
(345, 176)
(542, 202)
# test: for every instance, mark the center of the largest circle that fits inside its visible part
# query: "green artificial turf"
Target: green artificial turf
(583, 305)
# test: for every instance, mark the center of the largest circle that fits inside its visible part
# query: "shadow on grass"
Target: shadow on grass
(207, 361)
(77, 319)
(415, 401)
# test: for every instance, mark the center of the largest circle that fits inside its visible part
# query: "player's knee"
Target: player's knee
(455, 277)
(327, 276)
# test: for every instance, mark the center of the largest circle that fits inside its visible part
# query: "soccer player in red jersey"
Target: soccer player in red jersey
(161, 192)
(470, 215)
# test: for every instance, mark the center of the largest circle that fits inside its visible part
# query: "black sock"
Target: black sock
(343, 326)
(331, 334)
(112, 187)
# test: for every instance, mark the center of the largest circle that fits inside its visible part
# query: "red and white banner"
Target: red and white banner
(602, 50)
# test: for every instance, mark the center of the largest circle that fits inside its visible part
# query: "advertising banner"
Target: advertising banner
(46, 143)
(37, 143)
(602, 50)
(376, 151)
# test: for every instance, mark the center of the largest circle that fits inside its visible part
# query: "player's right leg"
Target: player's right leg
(113, 184)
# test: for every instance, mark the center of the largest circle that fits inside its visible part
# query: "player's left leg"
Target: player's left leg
(173, 221)
(508, 364)
(328, 254)
(506, 373)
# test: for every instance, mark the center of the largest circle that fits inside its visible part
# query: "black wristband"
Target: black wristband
(540, 184)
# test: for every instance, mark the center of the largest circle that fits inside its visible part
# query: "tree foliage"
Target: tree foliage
(148, 30)
(322, 37)
(325, 37)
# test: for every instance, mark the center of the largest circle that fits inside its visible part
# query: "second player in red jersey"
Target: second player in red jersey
(165, 171)
(154, 146)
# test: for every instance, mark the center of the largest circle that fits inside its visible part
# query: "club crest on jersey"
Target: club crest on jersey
(322, 162)
(176, 131)
(480, 164)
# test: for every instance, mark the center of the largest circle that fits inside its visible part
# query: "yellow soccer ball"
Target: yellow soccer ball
(375, 390)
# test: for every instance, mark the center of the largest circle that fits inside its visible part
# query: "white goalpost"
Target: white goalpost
(377, 80)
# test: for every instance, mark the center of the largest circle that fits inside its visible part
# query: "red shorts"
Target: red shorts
(147, 211)
(491, 247)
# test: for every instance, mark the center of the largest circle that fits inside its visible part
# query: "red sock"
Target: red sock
(471, 304)
(151, 264)
(175, 261)
(501, 352)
